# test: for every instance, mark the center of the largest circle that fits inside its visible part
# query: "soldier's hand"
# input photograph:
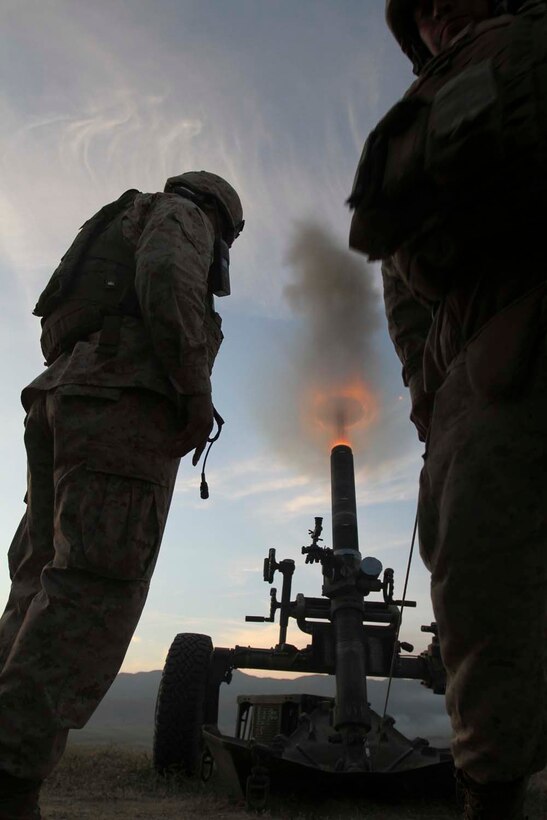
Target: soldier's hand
(200, 419)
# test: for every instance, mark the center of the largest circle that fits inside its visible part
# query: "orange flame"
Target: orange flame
(342, 440)
(336, 409)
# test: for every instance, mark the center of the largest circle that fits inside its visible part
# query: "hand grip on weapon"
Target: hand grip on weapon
(199, 423)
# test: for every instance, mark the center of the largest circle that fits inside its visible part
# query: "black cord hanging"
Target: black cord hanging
(399, 624)
(204, 487)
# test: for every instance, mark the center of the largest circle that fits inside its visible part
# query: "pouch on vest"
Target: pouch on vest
(381, 222)
(464, 135)
(63, 277)
(437, 149)
(93, 281)
(476, 144)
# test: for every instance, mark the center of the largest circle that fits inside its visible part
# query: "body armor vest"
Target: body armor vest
(93, 288)
(461, 161)
(93, 282)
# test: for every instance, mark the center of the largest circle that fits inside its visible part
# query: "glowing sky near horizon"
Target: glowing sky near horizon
(277, 96)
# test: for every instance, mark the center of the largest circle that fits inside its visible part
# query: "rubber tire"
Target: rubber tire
(180, 706)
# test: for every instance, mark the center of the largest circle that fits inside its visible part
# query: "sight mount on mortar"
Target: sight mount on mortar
(307, 741)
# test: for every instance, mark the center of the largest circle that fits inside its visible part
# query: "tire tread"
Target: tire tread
(180, 704)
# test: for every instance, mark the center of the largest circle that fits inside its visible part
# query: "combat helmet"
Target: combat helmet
(400, 19)
(207, 186)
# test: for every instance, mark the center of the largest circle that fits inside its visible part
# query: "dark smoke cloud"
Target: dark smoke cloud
(335, 343)
(332, 293)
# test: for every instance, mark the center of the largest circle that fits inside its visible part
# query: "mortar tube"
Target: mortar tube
(344, 505)
(352, 714)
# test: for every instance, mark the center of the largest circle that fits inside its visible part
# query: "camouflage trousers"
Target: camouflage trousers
(483, 536)
(100, 482)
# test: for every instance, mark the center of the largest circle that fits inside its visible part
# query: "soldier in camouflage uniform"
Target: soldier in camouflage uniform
(130, 336)
(450, 195)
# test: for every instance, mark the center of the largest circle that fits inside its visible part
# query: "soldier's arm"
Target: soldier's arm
(409, 322)
(173, 257)
(173, 254)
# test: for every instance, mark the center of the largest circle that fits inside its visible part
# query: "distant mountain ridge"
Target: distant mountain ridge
(126, 715)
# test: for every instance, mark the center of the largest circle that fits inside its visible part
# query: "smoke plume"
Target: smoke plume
(333, 296)
(327, 383)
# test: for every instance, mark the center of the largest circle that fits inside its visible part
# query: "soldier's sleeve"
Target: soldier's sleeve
(173, 256)
(408, 324)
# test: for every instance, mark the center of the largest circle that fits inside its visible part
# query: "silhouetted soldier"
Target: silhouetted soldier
(450, 193)
(129, 334)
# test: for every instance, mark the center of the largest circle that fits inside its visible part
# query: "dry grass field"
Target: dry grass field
(119, 784)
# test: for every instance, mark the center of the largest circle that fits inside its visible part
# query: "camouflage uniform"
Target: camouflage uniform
(98, 434)
(466, 296)
(483, 529)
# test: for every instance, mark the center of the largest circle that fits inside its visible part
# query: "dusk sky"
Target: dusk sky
(278, 96)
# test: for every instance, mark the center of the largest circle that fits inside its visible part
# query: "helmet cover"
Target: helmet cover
(211, 186)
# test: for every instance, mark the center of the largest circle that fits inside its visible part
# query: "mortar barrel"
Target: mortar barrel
(352, 713)
(344, 507)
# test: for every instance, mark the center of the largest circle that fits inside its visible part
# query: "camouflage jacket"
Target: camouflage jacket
(454, 200)
(172, 349)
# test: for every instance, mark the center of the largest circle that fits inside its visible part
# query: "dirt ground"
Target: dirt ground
(116, 784)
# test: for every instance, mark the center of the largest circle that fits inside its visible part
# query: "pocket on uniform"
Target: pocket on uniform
(111, 514)
(124, 510)
(120, 523)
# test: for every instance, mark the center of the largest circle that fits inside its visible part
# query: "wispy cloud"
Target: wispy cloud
(396, 480)
(398, 483)
(308, 502)
(238, 480)
(279, 491)
(124, 118)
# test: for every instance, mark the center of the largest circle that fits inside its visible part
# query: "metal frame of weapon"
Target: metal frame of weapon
(351, 638)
